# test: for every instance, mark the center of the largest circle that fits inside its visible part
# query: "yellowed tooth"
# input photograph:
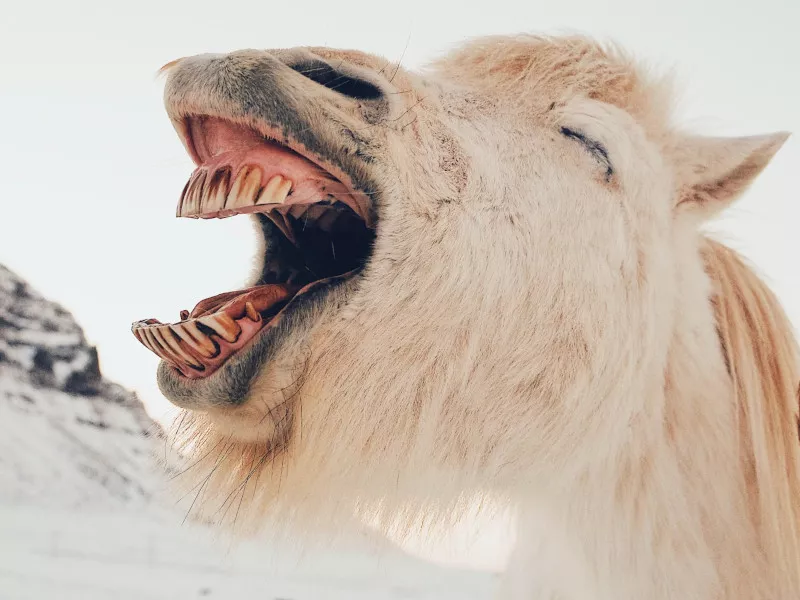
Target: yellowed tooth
(275, 191)
(153, 344)
(166, 349)
(192, 336)
(186, 204)
(169, 338)
(183, 200)
(268, 193)
(137, 331)
(251, 312)
(223, 325)
(187, 207)
(244, 188)
(284, 190)
(201, 338)
(150, 332)
(237, 185)
(216, 190)
(197, 192)
(250, 187)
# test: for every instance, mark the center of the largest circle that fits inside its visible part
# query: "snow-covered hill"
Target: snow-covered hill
(52, 554)
(68, 437)
(82, 516)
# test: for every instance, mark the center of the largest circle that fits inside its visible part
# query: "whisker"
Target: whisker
(205, 482)
(196, 462)
(397, 68)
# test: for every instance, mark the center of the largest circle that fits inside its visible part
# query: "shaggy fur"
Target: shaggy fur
(533, 327)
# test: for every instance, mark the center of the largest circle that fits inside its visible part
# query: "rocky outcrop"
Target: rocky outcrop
(68, 436)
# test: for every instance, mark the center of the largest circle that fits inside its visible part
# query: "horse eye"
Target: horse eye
(595, 148)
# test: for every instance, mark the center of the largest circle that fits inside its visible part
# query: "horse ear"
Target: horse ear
(713, 171)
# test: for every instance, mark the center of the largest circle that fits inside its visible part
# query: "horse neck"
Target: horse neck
(674, 498)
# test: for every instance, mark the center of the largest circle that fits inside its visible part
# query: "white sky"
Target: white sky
(92, 169)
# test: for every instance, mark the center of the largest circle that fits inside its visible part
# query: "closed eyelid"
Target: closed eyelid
(594, 147)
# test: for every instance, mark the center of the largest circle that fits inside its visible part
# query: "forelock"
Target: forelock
(537, 72)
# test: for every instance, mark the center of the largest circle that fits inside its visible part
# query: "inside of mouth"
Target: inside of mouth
(314, 232)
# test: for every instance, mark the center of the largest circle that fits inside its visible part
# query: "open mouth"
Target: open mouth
(317, 230)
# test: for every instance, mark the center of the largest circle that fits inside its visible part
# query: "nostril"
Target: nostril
(347, 85)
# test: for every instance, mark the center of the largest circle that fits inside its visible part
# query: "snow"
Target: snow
(68, 437)
(67, 450)
(67, 554)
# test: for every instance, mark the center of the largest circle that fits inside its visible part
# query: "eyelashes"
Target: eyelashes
(596, 149)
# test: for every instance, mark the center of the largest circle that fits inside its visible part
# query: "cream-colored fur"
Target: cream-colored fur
(534, 330)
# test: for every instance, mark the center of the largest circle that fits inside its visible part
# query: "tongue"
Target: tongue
(261, 297)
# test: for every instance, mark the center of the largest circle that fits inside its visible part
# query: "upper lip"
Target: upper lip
(217, 86)
(362, 200)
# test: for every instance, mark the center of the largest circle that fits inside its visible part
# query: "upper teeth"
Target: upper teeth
(214, 195)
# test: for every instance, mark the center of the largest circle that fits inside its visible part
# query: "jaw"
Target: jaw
(271, 369)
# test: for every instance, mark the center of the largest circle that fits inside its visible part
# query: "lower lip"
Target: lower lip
(258, 329)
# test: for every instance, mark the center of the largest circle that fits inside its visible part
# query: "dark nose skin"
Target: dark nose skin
(355, 84)
(337, 79)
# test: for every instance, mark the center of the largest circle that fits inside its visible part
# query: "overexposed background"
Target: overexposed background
(92, 169)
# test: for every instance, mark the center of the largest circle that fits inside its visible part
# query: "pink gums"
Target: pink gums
(219, 143)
